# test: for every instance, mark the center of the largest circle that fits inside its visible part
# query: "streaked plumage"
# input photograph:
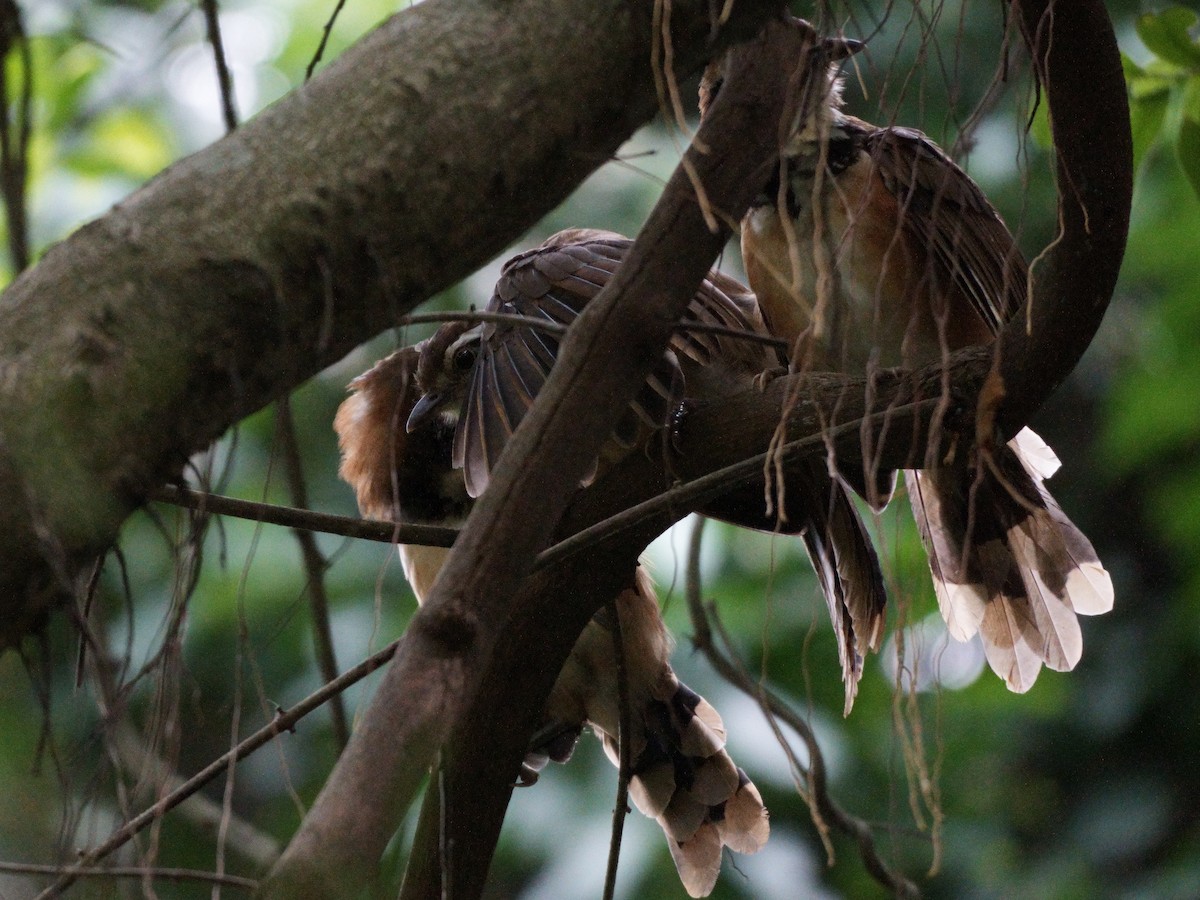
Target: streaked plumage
(880, 251)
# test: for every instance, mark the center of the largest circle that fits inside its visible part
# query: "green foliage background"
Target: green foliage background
(1087, 786)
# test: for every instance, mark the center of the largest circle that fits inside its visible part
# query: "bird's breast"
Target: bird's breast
(837, 275)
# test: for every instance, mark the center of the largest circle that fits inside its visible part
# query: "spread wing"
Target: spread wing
(552, 284)
(948, 214)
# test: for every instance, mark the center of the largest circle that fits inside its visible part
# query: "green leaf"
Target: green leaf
(1149, 96)
(1146, 116)
(1188, 144)
(1167, 34)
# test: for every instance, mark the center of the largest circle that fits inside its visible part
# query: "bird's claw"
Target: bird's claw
(765, 377)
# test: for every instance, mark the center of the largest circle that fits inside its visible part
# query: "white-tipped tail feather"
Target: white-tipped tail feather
(681, 775)
(1014, 569)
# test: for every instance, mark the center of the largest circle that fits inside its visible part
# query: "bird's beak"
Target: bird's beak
(429, 404)
(839, 48)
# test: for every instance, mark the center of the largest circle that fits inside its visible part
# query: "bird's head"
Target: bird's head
(369, 428)
(444, 368)
(815, 81)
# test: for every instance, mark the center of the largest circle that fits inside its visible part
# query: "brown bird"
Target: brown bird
(683, 776)
(869, 248)
(551, 284)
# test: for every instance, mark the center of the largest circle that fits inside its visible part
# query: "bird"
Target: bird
(869, 247)
(486, 377)
(682, 776)
(493, 372)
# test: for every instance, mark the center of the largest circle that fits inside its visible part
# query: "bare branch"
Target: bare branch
(433, 684)
(212, 26)
(602, 363)
(1076, 60)
(308, 520)
(14, 136)
(326, 31)
(142, 872)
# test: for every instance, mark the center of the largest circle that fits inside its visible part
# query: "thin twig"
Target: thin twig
(225, 81)
(83, 614)
(130, 753)
(212, 23)
(289, 517)
(202, 812)
(739, 333)
(285, 721)
(775, 707)
(326, 32)
(315, 565)
(483, 315)
(624, 751)
(152, 872)
(694, 493)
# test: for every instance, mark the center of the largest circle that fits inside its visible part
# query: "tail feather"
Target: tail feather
(651, 790)
(847, 567)
(713, 782)
(743, 827)
(1088, 586)
(1007, 562)
(700, 728)
(681, 774)
(698, 860)
(683, 817)
(740, 824)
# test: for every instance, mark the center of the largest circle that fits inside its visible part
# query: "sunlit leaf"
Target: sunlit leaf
(1167, 34)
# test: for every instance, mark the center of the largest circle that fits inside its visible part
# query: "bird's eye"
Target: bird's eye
(464, 358)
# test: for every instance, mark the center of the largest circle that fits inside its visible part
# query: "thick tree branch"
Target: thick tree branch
(246, 268)
(1078, 65)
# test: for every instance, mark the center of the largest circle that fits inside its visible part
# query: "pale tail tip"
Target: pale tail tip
(1090, 589)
